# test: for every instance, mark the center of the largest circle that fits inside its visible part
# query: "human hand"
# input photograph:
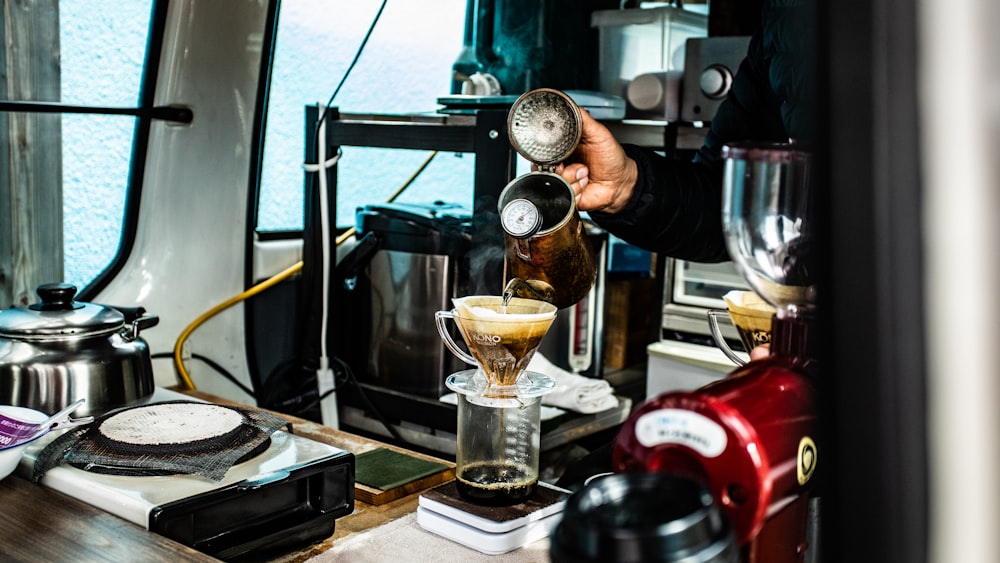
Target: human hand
(601, 174)
(760, 352)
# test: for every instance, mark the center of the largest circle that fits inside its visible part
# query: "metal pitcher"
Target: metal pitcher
(548, 254)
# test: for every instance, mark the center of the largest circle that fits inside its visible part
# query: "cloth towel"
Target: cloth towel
(574, 392)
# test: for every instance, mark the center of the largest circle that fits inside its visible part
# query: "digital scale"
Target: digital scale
(492, 530)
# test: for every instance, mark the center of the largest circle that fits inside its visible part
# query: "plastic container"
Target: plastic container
(12, 417)
(645, 40)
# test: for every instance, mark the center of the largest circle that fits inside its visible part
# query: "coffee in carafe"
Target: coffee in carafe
(498, 451)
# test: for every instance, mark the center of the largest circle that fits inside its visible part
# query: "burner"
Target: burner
(167, 438)
(184, 427)
(279, 491)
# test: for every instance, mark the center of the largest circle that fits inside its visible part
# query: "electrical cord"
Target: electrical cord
(349, 374)
(270, 282)
(357, 55)
(326, 381)
(214, 365)
(324, 375)
(179, 344)
(297, 404)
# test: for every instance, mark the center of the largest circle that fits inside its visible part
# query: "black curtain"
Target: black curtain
(874, 381)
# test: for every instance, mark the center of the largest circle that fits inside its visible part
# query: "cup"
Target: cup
(501, 338)
(751, 316)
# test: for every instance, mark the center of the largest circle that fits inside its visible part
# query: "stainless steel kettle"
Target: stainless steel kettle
(548, 254)
(57, 351)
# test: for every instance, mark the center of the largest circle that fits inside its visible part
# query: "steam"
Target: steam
(486, 257)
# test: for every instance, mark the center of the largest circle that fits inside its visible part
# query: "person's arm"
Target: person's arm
(662, 205)
(674, 209)
(669, 206)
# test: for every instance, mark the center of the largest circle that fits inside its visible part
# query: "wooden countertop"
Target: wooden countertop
(39, 524)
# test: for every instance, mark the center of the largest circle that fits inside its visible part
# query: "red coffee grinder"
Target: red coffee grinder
(751, 436)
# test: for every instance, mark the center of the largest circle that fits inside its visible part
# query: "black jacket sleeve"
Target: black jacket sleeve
(675, 209)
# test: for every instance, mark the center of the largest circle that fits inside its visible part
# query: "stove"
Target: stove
(289, 494)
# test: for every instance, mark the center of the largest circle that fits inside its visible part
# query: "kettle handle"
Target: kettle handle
(131, 332)
(523, 249)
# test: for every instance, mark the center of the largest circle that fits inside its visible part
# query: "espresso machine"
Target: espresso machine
(751, 437)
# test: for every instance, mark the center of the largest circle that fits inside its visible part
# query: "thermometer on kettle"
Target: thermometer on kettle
(520, 218)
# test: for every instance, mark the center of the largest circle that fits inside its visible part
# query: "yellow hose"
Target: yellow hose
(266, 284)
(179, 345)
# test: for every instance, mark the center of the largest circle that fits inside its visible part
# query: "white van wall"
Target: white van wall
(189, 251)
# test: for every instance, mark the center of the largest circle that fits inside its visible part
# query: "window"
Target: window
(405, 66)
(101, 55)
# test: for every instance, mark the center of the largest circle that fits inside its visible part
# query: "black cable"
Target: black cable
(347, 73)
(212, 364)
(349, 373)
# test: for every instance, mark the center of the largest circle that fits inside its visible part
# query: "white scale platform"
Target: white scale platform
(488, 529)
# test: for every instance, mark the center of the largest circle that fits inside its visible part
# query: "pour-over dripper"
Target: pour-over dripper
(497, 443)
(501, 338)
(768, 223)
(750, 315)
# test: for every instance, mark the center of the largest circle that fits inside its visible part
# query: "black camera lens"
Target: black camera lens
(657, 517)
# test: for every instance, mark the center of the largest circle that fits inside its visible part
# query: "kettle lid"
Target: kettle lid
(57, 316)
(544, 126)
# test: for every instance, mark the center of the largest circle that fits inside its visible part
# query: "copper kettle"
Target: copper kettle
(548, 254)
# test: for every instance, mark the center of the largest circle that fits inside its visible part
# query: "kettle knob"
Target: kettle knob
(55, 297)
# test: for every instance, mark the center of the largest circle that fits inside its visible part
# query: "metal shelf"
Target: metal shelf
(483, 133)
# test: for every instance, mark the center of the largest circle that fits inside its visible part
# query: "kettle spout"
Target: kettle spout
(529, 289)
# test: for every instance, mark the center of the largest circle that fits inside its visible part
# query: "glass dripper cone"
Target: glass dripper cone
(501, 338)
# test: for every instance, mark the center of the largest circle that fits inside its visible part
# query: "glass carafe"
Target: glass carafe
(499, 433)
